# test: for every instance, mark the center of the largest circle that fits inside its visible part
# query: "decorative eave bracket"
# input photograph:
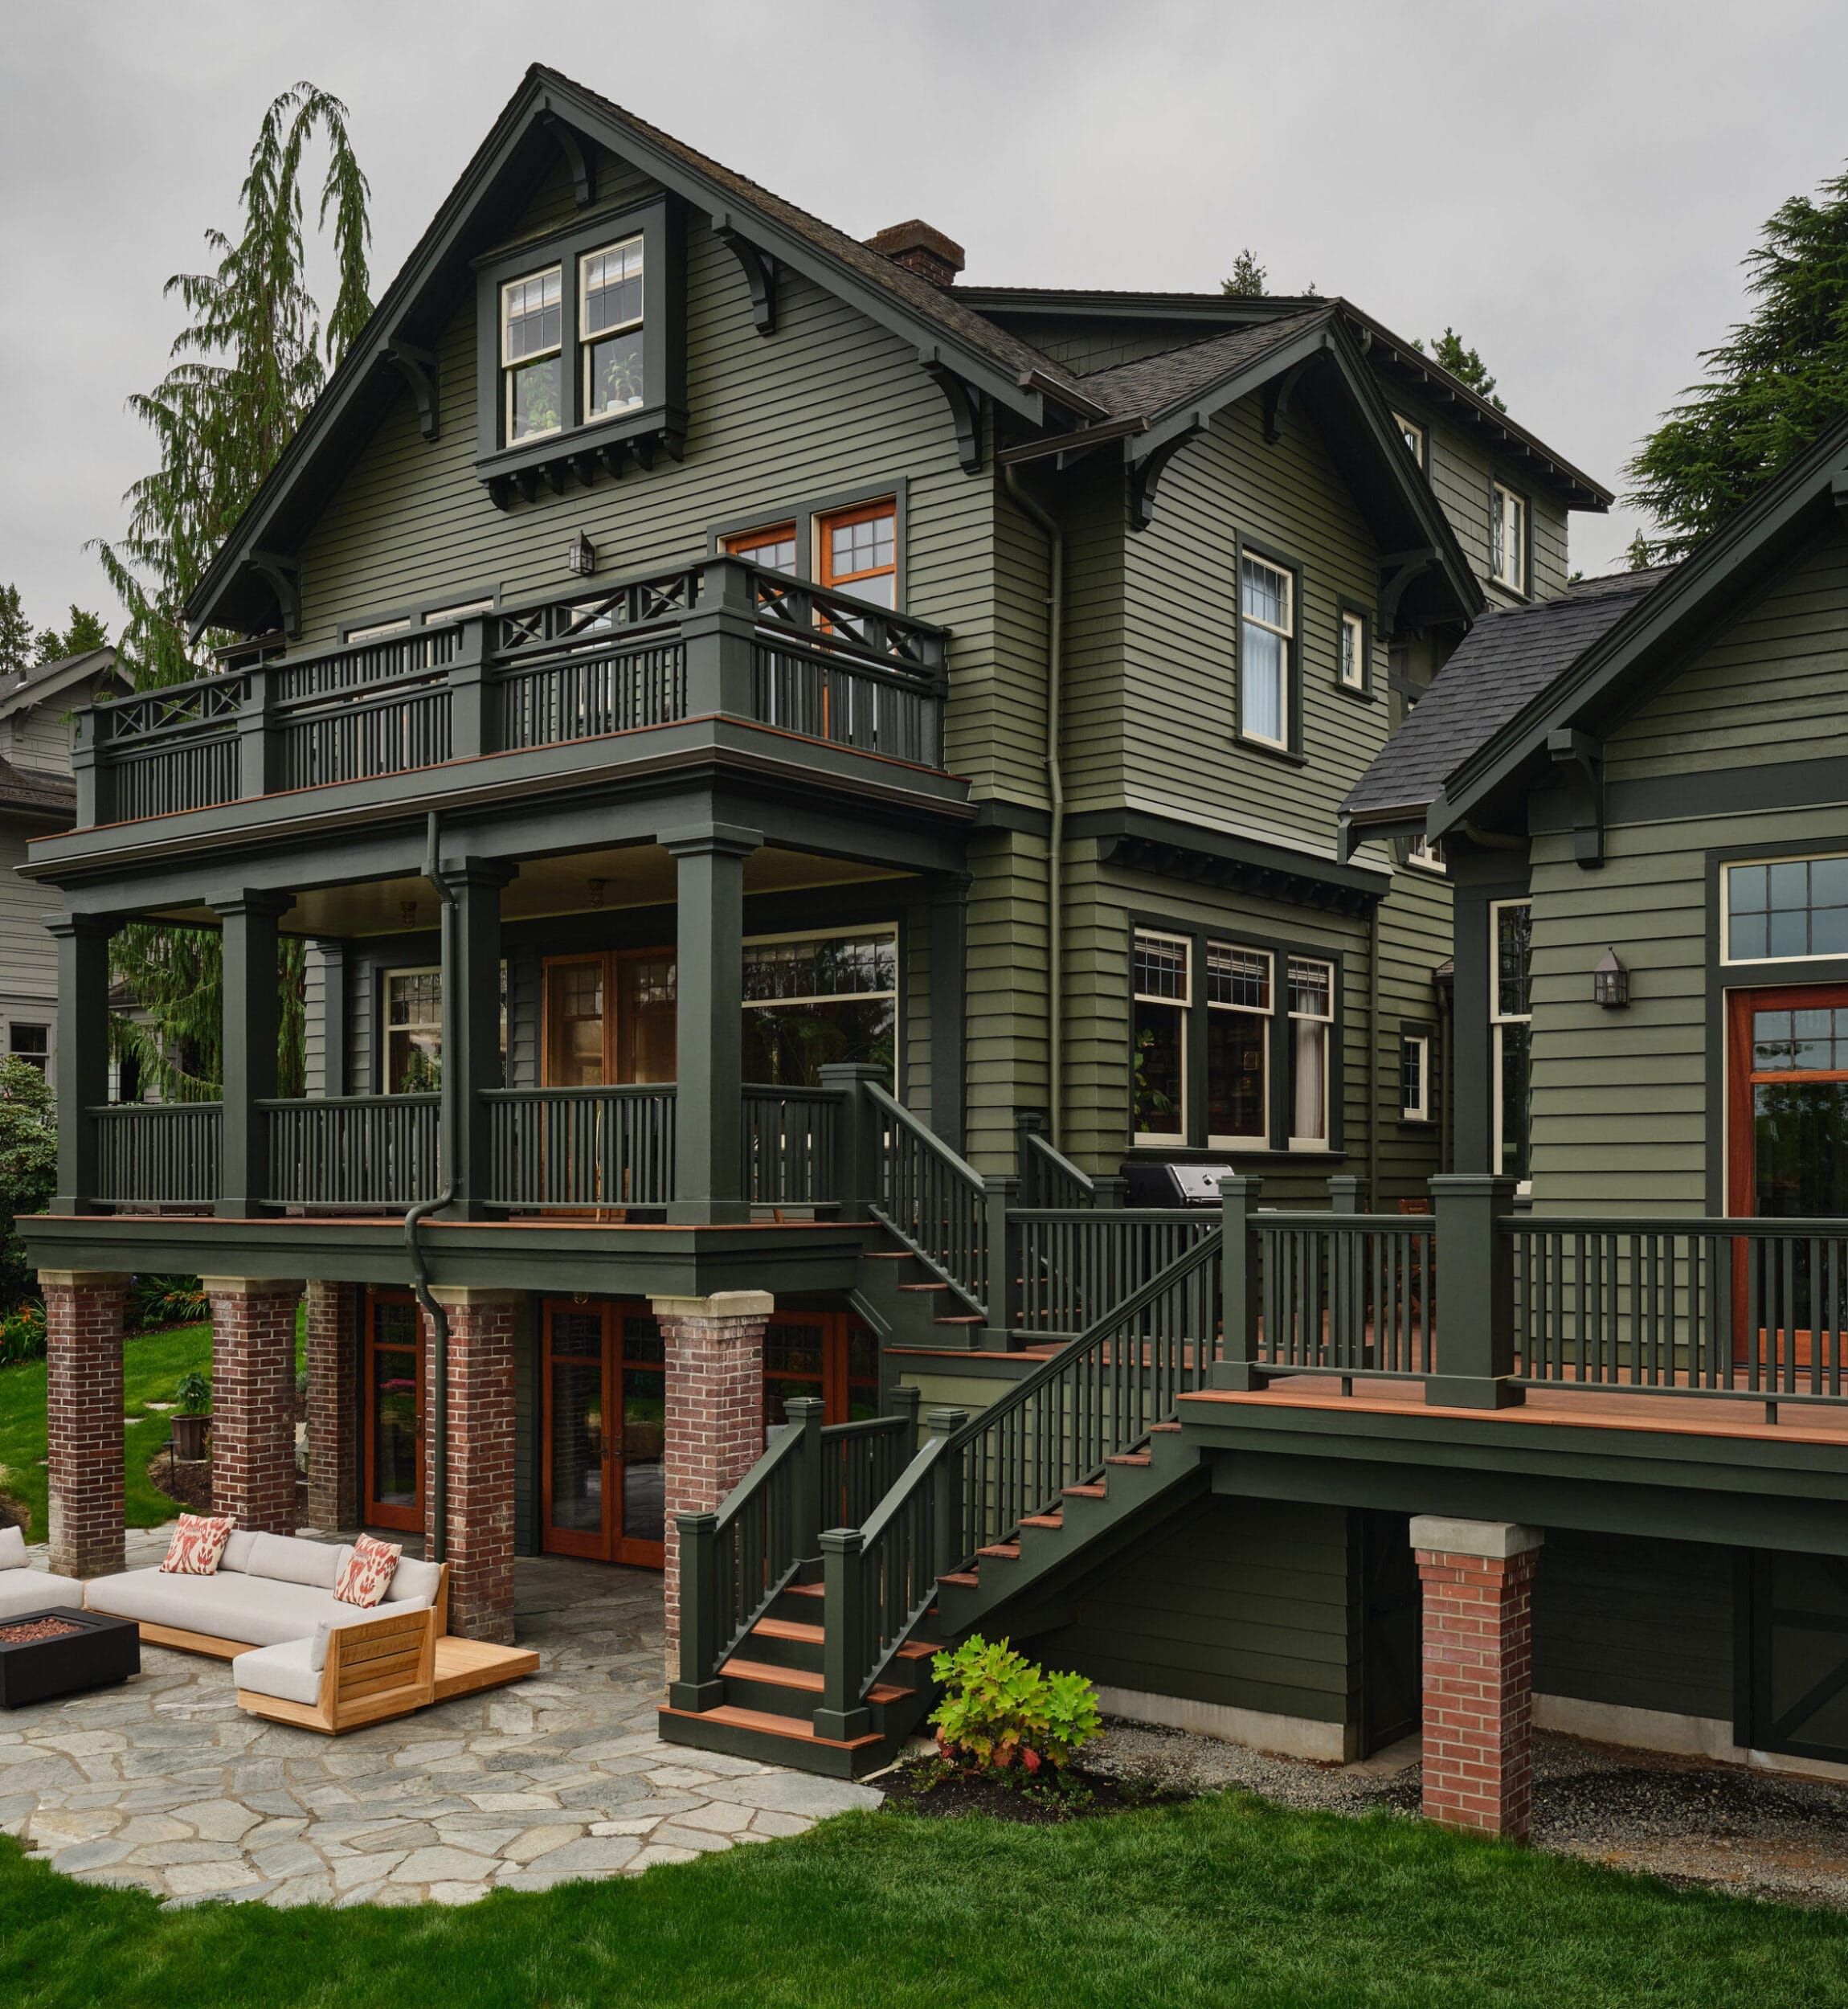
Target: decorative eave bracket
(1147, 466)
(283, 576)
(418, 368)
(1276, 396)
(1579, 760)
(965, 401)
(580, 154)
(1398, 570)
(760, 272)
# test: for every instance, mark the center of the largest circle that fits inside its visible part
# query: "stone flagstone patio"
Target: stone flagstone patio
(166, 1783)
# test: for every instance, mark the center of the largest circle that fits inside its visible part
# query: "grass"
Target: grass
(1225, 1901)
(152, 1365)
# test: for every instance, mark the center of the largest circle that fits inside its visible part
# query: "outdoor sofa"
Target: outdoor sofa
(24, 1588)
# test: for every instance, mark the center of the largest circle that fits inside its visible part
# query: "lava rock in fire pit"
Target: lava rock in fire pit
(64, 1651)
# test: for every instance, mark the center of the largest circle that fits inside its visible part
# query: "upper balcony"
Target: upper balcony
(600, 676)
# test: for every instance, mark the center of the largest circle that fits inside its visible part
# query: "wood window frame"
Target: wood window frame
(1499, 491)
(746, 544)
(1418, 1109)
(1290, 747)
(1267, 1011)
(807, 513)
(610, 963)
(827, 522)
(610, 1544)
(374, 1512)
(1742, 1078)
(1351, 617)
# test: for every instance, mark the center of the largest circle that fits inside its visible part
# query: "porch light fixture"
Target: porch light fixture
(596, 886)
(580, 556)
(408, 913)
(1610, 983)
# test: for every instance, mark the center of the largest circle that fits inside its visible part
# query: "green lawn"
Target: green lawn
(1225, 1901)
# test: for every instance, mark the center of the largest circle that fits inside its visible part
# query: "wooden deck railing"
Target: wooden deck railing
(931, 1199)
(791, 1145)
(1076, 1264)
(1348, 1294)
(581, 1148)
(354, 1150)
(164, 1154)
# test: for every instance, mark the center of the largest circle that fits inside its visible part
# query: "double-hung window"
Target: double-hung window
(1267, 635)
(1508, 538)
(31, 1044)
(1351, 667)
(1511, 1024)
(1163, 992)
(1415, 1077)
(1238, 999)
(532, 354)
(1311, 1027)
(610, 323)
(1412, 434)
(860, 551)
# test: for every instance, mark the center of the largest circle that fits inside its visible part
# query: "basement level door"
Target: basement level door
(604, 1415)
(392, 1371)
(1799, 1631)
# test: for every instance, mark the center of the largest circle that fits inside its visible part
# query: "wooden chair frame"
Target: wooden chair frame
(384, 1668)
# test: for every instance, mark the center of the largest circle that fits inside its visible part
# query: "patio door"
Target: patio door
(609, 1018)
(604, 1403)
(392, 1379)
(832, 1354)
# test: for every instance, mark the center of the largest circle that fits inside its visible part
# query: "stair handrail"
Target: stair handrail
(959, 1254)
(1047, 1177)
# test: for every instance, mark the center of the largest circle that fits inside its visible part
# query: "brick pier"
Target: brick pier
(483, 1325)
(333, 1399)
(83, 1390)
(253, 1399)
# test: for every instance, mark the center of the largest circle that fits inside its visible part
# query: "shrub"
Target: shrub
(22, 1333)
(999, 1706)
(155, 1303)
(193, 1394)
(28, 1165)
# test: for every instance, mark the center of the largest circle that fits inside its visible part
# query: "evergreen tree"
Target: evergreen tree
(1248, 275)
(85, 632)
(15, 633)
(1769, 391)
(1465, 364)
(247, 367)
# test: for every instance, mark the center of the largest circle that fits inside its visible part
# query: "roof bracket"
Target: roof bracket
(1277, 395)
(1146, 469)
(1838, 494)
(1398, 570)
(417, 368)
(1579, 758)
(760, 271)
(283, 576)
(965, 402)
(580, 154)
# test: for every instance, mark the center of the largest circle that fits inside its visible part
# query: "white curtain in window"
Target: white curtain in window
(1309, 1113)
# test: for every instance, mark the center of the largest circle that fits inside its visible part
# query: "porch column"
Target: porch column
(949, 959)
(83, 1418)
(83, 1052)
(1477, 1578)
(709, 1118)
(475, 1017)
(253, 1399)
(327, 970)
(332, 1403)
(483, 1324)
(1475, 1340)
(252, 1021)
(714, 1348)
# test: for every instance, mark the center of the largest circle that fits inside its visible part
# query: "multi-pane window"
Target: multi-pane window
(820, 998)
(1428, 851)
(1791, 908)
(1508, 538)
(1238, 997)
(1353, 663)
(532, 351)
(610, 325)
(413, 1031)
(1163, 990)
(1510, 1012)
(774, 546)
(32, 1044)
(1415, 1077)
(860, 551)
(1267, 630)
(1311, 1025)
(1412, 434)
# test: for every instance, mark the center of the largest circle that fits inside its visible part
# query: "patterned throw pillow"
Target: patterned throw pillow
(368, 1574)
(197, 1546)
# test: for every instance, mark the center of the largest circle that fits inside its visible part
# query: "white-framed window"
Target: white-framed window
(1510, 1020)
(414, 1029)
(30, 1042)
(462, 611)
(1427, 853)
(532, 354)
(1783, 910)
(1415, 1077)
(1351, 667)
(1267, 635)
(1163, 991)
(610, 326)
(1412, 434)
(1239, 1012)
(809, 999)
(379, 630)
(1508, 538)
(1311, 1029)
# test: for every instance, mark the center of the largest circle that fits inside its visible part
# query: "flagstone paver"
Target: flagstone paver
(166, 1785)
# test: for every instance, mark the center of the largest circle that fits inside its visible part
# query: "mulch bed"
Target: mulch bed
(927, 1786)
(21, 1635)
(187, 1480)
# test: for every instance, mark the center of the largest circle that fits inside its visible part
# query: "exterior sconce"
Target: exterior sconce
(1610, 983)
(408, 913)
(580, 556)
(596, 886)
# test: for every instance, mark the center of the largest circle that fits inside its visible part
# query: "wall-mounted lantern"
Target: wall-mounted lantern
(408, 913)
(1610, 983)
(580, 556)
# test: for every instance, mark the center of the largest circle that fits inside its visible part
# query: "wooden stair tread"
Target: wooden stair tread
(966, 1577)
(1010, 1549)
(762, 1721)
(804, 1590)
(1154, 1427)
(788, 1629)
(923, 1287)
(1042, 1520)
(886, 1255)
(918, 1650)
(968, 1318)
(1085, 1492)
(1129, 1458)
(800, 1678)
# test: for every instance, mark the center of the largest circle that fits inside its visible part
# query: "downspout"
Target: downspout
(1056, 796)
(449, 1131)
(1373, 1059)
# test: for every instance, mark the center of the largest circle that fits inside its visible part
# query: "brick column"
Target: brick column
(253, 1399)
(333, 1388)
(482, 1327)
(83, 1390)
(1477, 1578)
(714, 1352)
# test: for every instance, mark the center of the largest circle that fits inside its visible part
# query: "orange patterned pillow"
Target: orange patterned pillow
(368, 1574)
(198, 1545)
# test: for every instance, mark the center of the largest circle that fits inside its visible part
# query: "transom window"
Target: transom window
(610, 298)
(1508, 538)
(532, 351)
(774, 546)
(1352, 668)
(1311, 1020)
(1267, 630)
(813, 999)
(1510, 1011)
(1238, 996)
(1787, 909)
(1412, 434)
(860, 551)
(1163, 990)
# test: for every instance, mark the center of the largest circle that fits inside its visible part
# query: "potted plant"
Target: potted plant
(194, 1397)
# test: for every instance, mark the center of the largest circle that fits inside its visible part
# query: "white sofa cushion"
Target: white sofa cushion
(288, 1559)
(262, 1611)
(286, 1672)
(37, 1589)
(12, 1549)
(414, 1583)
(238, 1546)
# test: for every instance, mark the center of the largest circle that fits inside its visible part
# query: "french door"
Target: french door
(392, 1370)
(832, 1354)
(609, 1018)
(603, 1399)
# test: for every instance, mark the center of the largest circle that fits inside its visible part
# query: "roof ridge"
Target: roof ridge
(1272, 327)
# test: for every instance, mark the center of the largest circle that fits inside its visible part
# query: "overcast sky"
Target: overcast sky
(1571, 186)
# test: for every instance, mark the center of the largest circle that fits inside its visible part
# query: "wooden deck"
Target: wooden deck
(464, 1666)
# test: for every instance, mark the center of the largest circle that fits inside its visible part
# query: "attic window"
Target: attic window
(531, 350)
(610, 295)
(1508, 538)
(1412, 434)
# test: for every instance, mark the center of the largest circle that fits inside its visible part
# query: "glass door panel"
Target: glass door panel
(831, 1354)
(394, 1396)
(579, 1455)
(643, 1372)
(646, 1047)
(575, 1023)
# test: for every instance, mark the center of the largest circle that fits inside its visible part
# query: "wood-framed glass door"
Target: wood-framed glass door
(604, 1404)
(609, 1016)
(832, 1354)
(391, 1380)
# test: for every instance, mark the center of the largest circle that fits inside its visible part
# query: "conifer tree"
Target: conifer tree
(15, 633)
(1449, 352)
(1248, 277)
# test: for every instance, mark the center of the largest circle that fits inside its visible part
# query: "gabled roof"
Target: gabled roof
(43, 680)
(1154, 386)
(41, 796)
(1507, 659)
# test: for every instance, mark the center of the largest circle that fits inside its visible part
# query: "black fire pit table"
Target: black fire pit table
(60, 1651)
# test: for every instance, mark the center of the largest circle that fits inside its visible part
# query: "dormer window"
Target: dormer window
(532, 354)
(1508, 538)
(610, 294)
(1412, 434)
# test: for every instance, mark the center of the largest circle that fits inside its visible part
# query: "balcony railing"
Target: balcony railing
(157, 1154)
(354, 1150)
(581, 1148)
(646, 652)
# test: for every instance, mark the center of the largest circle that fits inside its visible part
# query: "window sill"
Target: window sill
(601, 444)
(1251, 1154)
(1287, 754)
(1365, 696)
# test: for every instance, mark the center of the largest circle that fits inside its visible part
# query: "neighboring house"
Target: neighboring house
(799, 777)
(37, 796)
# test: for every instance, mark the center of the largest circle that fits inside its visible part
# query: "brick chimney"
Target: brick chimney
(920, 249)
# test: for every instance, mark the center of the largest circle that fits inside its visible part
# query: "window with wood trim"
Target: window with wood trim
(609, 329)
(858, 551)
(1508, 538)
(1238, 1014)
(1163, 990)
(1350, 665)
(1311, 1028)
(1415, 1077)
(774, 546)
(1266, 639)
(532, 354)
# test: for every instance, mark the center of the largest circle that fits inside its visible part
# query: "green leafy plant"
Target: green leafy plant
(999, 1706)
(194, 1395)
(22, 1333)
(156, 1302)
(28, 1165)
